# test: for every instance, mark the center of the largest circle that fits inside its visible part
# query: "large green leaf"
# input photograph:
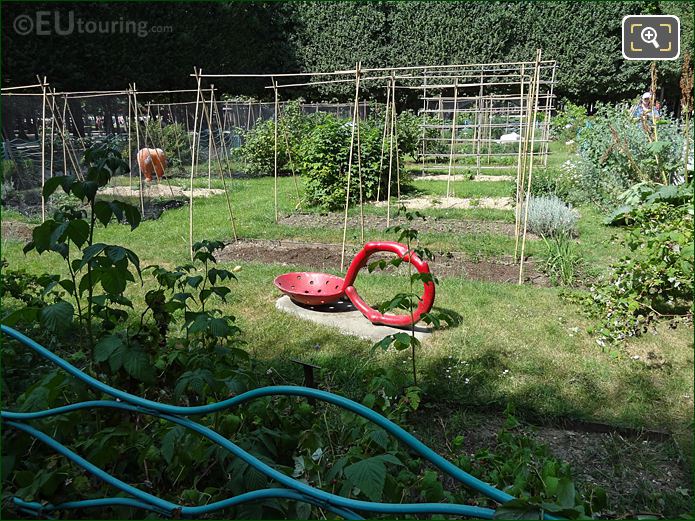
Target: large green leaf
(57, 317)
(368, 475)
(107, 347)
(103, 212)
(170, 441)
(132, 215)
(78, 231)
(137, 364)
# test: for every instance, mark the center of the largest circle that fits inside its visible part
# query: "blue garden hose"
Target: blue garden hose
(295, 490)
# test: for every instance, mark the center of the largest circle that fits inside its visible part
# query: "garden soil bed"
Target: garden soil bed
(324, 257)
(431, 225)
(17, 231)
(625, 465)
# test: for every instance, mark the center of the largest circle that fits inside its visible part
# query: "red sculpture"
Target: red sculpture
(321, 288)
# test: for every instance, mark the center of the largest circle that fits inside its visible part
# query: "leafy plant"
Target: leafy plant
(408, 301)
(569, 120)
(551, 181)
(92, 264)
(653, 283)
(324, 160)
(551, 217)
(561, 260)
(617, 152)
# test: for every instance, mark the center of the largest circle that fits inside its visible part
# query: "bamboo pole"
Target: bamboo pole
(359, 173)
(395, 138)
(137, 138)
(210, 121)
(130, 141)
(530, 166)
(546, 123)
(193, 158)
(62, 135)
(53, 101)
(453, 140)
(352, 145)
(212, 97)
(479, 118)
(383, 139)
(388, 186)
(424, 111)
(517, 207)
(21, 87)
(43, 147)
(275, 158)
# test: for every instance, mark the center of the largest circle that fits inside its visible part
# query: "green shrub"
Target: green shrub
(655, 281)
(616, 152)
(323, 160)
(258, 149)
(409, 130)
(550, 181)
(568, 121)
(551, 217)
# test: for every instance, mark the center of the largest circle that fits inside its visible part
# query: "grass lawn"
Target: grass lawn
(522, 346)
(517, 344)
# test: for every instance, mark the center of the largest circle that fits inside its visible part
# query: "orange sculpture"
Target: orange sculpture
(150, 161)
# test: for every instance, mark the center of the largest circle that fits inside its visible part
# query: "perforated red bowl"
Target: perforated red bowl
(312, 289)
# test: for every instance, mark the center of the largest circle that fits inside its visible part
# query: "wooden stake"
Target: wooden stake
(424, 112)
(453, 138)
(53, 102)
(530, 168)
(212, 97)
(43, 148)
(517, 207)
(275, 159)
(388, 186)
(193, 158)
(130, 140)
(210, 120)
(383, 139)
(359, 172)
(479, 119)
(352, 146)
(63, 133)
(137, 138)
(395, 138)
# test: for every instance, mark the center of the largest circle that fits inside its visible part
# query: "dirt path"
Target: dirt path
(432, 225)
(325, 257)
(16, 231)
(423, 203)
(481, 178)
(159, 190)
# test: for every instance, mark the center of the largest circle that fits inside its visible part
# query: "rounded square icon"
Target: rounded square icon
(651, 37)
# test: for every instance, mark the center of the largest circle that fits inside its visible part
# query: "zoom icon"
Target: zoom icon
(651, 37)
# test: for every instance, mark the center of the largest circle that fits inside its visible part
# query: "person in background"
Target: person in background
(645, 110)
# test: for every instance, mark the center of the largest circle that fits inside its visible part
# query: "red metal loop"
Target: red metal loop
(374, 316)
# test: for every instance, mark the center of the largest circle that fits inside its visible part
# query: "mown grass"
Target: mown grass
(517, 344)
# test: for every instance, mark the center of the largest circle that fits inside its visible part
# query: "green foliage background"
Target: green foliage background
(247, 37)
